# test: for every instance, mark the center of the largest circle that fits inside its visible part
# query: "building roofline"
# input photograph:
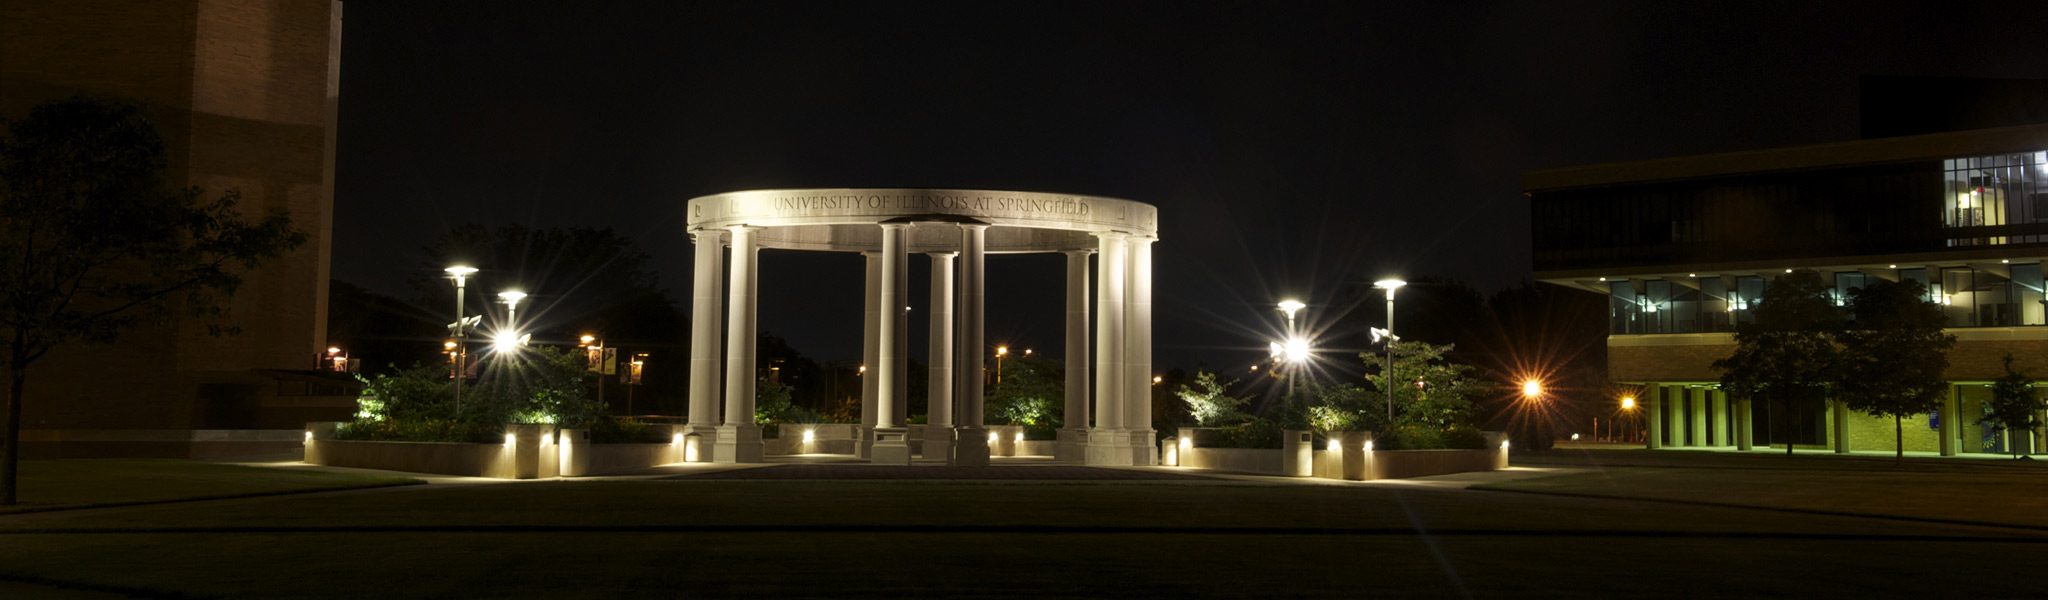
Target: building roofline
(1934, 146)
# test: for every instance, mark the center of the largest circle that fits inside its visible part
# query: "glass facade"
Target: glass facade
(1987, 200)
(2003, 295)
(1990, 200)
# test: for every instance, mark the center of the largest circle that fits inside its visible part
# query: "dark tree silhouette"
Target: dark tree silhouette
(95, 240)
(1789, 352)
(1893, 354)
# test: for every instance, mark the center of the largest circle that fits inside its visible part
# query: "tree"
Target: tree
(1033, 393)
(1789, 351)
(1209, 401)
(1429, 390)
(1893, 354)
(2015, 405)
(95, 240)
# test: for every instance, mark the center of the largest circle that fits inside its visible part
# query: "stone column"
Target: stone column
(1697, 397)
(1137, 340)
(1653, 416)
(1951, 411)
(702, 431)
(739, 439)
(900, 312)
(938, 441)
(1073, 438)
(1108, 442)
(1840, 412)
(971, 440)
(1717, 418)
(1745, 425)
(870, 359)
(890, 446)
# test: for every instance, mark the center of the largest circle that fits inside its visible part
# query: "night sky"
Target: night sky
(1293, 148)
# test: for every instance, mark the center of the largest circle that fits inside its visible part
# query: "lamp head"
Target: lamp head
(1291, 306)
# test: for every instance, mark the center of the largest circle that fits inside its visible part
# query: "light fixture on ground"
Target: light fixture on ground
(1389, 285)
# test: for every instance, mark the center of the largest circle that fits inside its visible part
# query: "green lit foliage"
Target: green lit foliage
(537, 385)
(1893, 354)
(1345, 407)
(1429, 390)
(541, 385)
(2015, 405)
(418, 393)
(1210, 403)
(773, 405)
(1789, 353)
(1032, 393)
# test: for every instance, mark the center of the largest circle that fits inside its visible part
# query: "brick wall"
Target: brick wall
(243, 92)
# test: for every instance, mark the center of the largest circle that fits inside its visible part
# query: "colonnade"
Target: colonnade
(1119, 434)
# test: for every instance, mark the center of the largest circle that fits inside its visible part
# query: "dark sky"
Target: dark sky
(1293, 148)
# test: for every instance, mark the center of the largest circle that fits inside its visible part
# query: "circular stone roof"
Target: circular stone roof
(844, 219)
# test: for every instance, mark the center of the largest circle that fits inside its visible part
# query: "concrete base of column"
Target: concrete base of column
(697, 442)
(866, 447)
(737, 444)
(1144, 448)
(938, 442)
(970, 447)
(1353, 460)
(1072, 445)
(1109, 448)
(891, 446)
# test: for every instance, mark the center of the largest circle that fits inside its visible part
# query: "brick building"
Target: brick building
(244, 93)
(1684, 248)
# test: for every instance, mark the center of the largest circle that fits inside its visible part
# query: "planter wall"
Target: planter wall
(1346, 459)
(529, 451)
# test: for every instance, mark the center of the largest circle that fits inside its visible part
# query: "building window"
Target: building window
(2030, 305)
(1991, 192)
(1845, 283)
(1623, 308)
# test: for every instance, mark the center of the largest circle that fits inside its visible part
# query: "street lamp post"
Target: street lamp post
(1001, 351)
(593, 348)
(1628, 405)
(1390, 285)
(1291, 306)
(461, 274)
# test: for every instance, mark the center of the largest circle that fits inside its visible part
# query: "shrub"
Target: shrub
(626, 431)
(1256, 433)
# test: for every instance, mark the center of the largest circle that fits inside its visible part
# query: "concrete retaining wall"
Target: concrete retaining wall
(441, 458)
(528, 452)
(1346, 460)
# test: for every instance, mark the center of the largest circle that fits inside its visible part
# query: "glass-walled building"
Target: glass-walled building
(1684, 248)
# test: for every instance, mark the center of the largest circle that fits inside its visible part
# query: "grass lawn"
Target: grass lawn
(74, 483)
(599, 539)
(2011, 498)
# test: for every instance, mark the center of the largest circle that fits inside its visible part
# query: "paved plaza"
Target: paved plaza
(1033, 529)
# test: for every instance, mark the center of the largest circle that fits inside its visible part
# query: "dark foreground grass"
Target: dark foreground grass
(2005, 498)
(79, 483)
(963, 539)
